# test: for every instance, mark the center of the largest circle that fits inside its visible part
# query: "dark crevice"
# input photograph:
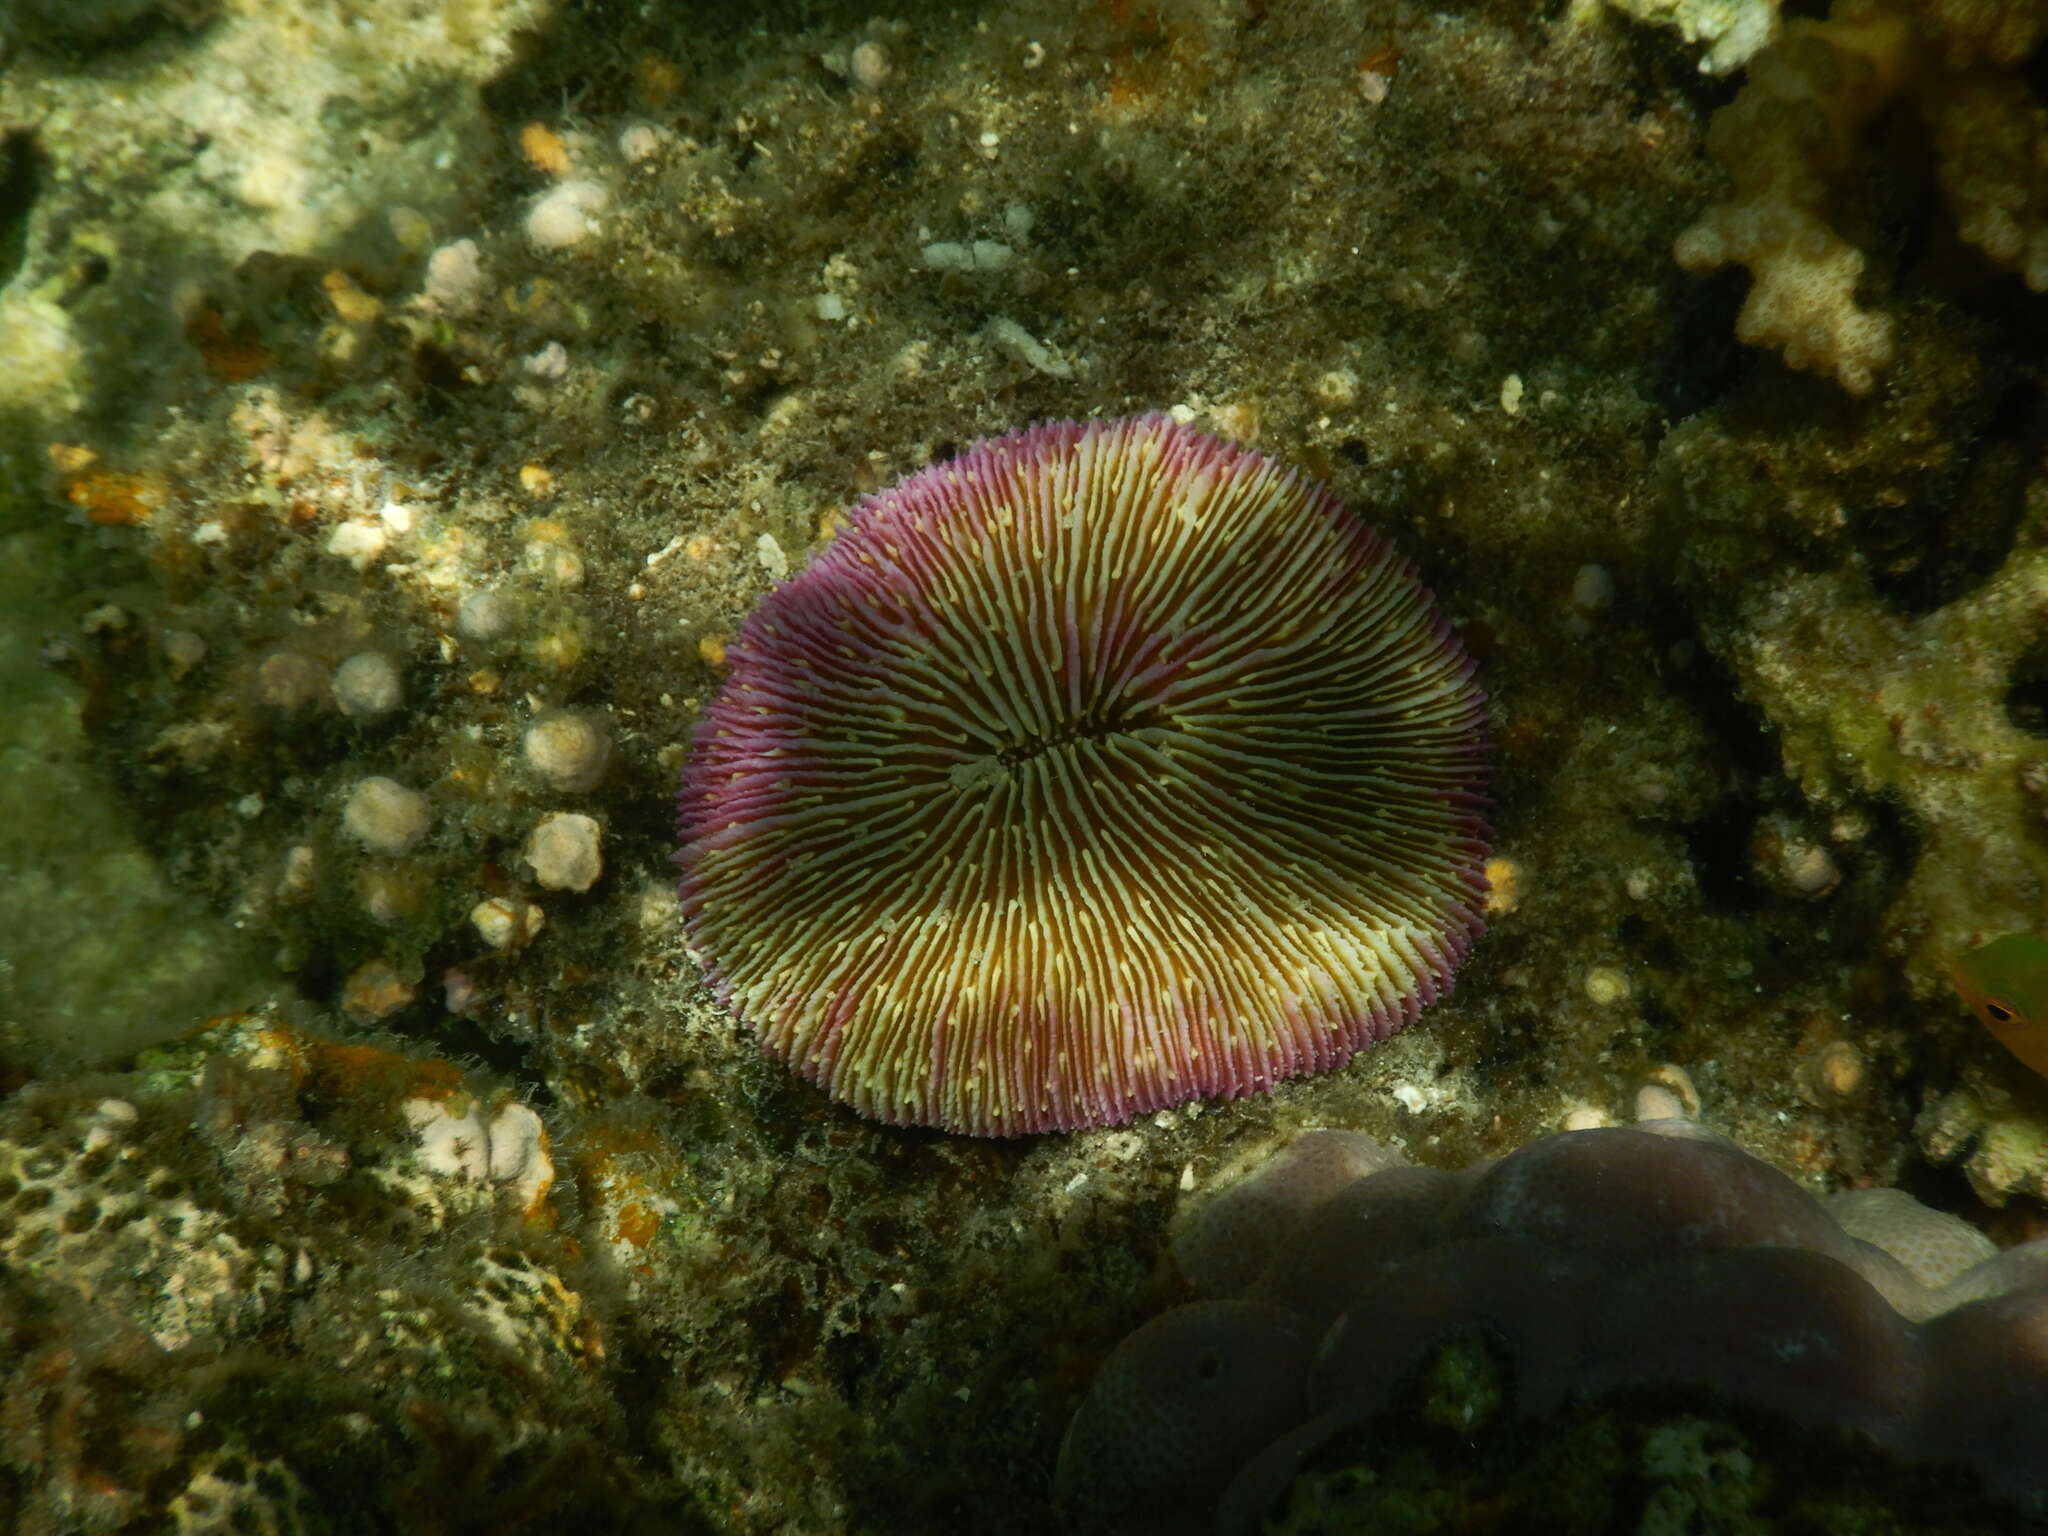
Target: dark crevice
(1660, 1023)
(1925, 553)
(1718, 842)
(2026, 694)
(1698, 676)
(453, 1036)
(1655, 947)
(1717, 845)
(23, 171)
(74, 34)
(1703, 359)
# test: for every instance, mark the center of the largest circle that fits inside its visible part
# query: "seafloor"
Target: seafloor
(382, 379)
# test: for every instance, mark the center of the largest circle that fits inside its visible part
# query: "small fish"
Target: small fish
(2006, 985)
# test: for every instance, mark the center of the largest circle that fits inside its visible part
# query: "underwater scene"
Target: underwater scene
(1167, 767)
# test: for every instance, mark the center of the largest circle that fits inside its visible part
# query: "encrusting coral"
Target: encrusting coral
(1597, 1262)
(1794, 137)
(287, 1284)
(1869, 702)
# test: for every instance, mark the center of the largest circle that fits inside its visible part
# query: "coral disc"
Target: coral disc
(1103, 767)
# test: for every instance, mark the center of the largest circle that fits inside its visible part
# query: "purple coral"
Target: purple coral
(1600, 1261)
(1106, 766)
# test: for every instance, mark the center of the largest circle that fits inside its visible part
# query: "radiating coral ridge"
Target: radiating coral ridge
(1104, 767)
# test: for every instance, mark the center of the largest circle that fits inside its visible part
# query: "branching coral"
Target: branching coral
(1785, 138)
(1991, 142)
(1871, 703)
(1877, 589)
(2001, 32)
(1793, 137)
(1732, 29)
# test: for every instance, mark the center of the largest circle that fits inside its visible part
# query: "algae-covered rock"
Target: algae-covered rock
(421, 396)
(324, 1280)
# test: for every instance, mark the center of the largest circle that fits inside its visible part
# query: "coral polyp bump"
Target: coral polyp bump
(1104, 767)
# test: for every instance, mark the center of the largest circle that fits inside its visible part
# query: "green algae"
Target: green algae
(101, 952)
